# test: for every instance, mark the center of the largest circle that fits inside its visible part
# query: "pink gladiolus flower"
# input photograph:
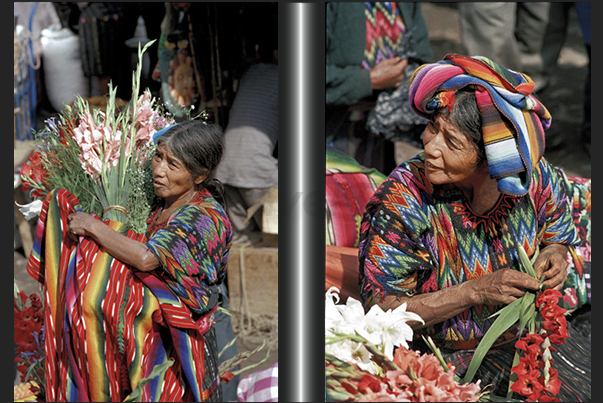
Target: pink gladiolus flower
(145, 127)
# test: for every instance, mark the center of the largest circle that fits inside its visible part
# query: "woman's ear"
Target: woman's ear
(200, 178)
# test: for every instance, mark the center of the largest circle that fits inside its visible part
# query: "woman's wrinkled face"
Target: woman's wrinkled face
(449, 155)
(171, 178)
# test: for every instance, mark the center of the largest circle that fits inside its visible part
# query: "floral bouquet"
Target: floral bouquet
(361, 364)
(29, 335)
(103, 158)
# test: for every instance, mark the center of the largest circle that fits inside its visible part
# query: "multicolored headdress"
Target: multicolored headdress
(513, 120)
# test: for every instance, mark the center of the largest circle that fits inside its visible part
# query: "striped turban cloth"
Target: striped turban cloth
(513, 120)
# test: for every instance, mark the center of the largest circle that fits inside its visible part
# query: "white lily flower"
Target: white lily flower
(31, 210)
(385, 330)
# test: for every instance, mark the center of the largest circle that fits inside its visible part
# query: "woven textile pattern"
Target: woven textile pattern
(193, 250)
(414, 241)
(108, 325)
(384, 32)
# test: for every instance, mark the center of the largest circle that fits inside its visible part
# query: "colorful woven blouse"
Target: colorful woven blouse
(414, 240)
(108, 325)
(384, 32)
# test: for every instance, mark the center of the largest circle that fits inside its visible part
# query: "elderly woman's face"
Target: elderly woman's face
(171, 178)
(449, 155)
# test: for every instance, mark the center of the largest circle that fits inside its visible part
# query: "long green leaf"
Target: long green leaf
(436, 351)
(527, 310)
(508, 316)
(512, 375)
(158, 370)
(526, 263)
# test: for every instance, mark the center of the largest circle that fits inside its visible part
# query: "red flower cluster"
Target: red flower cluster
(34, 175)
(29, 325)
(536, 380)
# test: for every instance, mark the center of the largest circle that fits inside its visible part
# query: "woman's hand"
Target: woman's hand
(502, 287)
(128, 250)
(80, 224)
(552, 262)
(388, 73)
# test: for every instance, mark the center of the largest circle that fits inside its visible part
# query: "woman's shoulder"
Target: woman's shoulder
(545, 175)
(410, 175)
(204, 201)
(406, 183)
(202, 206)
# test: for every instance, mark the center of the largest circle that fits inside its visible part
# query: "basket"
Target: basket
(24, 82)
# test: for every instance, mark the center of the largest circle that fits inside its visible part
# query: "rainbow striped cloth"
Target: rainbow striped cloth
(108, 326)
(513, 120)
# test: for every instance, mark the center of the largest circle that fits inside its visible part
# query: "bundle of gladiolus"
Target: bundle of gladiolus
(361, 364)
(536, 380)
(102, 157)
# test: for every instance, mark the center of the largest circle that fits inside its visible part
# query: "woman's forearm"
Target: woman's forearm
(500, 287)
(433, 307)
(121, 247)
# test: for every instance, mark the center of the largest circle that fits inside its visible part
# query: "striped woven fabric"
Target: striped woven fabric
(348, 187)
(513, 120)
(384, 32)
(108, 326)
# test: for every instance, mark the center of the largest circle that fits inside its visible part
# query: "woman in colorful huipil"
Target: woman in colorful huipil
(148, 302)
(441, 233)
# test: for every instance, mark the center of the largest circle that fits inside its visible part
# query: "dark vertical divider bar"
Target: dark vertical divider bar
(301, 202)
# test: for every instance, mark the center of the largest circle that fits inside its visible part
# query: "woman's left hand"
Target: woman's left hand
(80, 224)
(552, 262)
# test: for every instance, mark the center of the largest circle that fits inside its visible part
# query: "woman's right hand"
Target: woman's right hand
(503, 287)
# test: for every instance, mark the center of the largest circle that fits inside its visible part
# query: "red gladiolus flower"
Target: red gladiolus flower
(556, 325)
(349, 387)
(558, 337)
(33, 172)
(549, 296)
(527, 386)
(369, 382)
(526, 367)
(554, 383)
(530, 343)
(551, 311)
(547, 398)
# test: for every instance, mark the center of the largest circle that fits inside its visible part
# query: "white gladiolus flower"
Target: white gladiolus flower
(385, 330)
(31, 210)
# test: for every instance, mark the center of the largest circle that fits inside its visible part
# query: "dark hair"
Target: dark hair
(199, 146)
(466, 117)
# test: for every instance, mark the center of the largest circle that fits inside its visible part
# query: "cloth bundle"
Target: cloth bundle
(513, 120)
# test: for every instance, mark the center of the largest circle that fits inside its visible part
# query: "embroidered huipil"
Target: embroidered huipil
(412, 240)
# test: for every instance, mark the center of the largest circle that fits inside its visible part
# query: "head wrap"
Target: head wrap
(513, 120)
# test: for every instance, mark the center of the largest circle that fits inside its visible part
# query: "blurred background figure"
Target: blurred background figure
(371, 51)
(511, 34)
(528, 37)
(249, 168)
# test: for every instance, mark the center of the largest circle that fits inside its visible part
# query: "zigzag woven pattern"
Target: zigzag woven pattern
(413, 240)
(384, 32)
